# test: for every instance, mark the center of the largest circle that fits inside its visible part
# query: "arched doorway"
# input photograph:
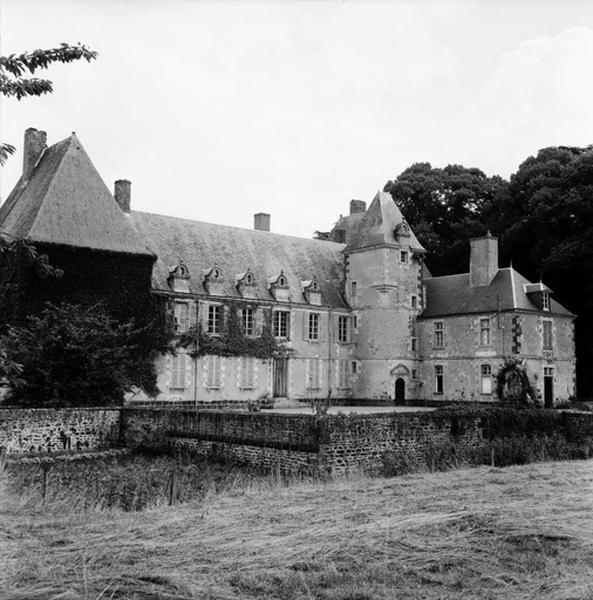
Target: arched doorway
(400, 390)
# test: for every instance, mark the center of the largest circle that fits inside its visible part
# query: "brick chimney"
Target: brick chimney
(122, 194)
(33, 147)
(357, 206)
(261, 221)
(483, 260)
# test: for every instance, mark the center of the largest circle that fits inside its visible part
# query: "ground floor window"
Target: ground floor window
(247, 373)
(486, 379)
(214, 371)
(314, 373)
(439, 379)
(178, 372)
(343, 374)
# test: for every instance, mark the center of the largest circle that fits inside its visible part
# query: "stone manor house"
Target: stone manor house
(356, 318)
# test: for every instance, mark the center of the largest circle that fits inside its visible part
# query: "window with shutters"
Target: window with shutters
(547, 333)
(181, 316)
(439, 379)
(178, 372)
(486, 379)
(313, 327)
(485, 332)
(314, 374)
(343, 329)
(248, 318)
(439, 339)
(214, 324)
(247, 377)
(214, 367)
(281, 324)
(343, 374)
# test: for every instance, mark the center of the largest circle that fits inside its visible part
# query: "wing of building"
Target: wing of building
(356, 316)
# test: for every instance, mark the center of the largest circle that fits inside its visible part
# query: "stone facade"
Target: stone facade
(356, 317)
(47, 430)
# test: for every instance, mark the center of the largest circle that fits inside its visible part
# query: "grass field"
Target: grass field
(519, 532)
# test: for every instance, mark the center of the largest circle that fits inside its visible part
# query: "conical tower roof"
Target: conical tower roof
(66, 202)
(378, 226)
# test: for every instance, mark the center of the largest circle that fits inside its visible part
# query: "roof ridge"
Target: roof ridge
(256, 231)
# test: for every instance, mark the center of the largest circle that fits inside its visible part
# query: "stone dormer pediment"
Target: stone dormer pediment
(312, 291)
(246, 284)
(213, 280)
(179, 278)
(278, 286)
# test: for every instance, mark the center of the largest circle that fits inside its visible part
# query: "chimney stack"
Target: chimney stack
(483, 261)
(122, 194)
(357, 206)
(261, 221)
(33, 147)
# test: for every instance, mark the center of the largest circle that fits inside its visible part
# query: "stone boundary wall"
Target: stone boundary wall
(50, 430)
(360, 441)
(329, 444)
(285, 432)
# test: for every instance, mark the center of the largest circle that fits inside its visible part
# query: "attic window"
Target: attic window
(215, 273)
(403, 257)
(314, 286)
(546, 301)
(249, 279)
(282, 281)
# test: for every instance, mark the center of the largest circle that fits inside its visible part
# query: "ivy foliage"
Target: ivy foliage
(71, 355)
(232, 340)
(513, 385)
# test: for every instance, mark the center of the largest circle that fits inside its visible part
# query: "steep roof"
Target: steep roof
(378, 224)
(453, 295)
(234, 250)
(66, 202)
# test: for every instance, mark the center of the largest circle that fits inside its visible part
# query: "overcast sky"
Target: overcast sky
(217, 110)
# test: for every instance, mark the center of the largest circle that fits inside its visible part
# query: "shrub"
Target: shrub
(70, 355)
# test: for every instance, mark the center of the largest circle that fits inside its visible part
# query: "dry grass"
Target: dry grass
(518, 532)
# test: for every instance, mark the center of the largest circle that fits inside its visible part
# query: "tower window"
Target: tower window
(439, 340)
(439, 379)
(486, 379)
(484, 332)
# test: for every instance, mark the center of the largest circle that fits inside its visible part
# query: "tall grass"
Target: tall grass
(515, 449)
(130, 483)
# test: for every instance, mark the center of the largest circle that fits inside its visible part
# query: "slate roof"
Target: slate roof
(453, 295)
(66, 202)
(234, 250)
(378, 224)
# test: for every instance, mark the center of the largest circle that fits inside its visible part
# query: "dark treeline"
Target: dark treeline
(543, 218)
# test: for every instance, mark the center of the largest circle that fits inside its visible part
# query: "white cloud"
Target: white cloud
(540, 94)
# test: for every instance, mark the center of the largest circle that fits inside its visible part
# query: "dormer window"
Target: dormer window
(312, 291)
(279, 287)
(179, 278)
(213, 280)
(546, 301)
(403, 257)
(246, 284)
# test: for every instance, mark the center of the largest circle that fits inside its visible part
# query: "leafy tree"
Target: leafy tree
(70, 355)
(444, 208)
(548, 228)
(14, 83)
